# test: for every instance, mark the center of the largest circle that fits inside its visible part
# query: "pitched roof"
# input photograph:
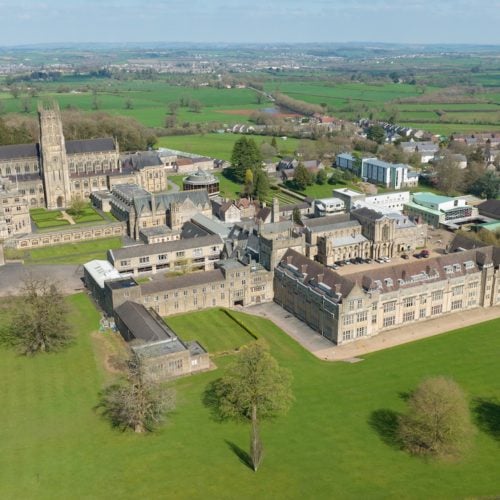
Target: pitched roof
(490, 207)
(90, 146)
(14, 151)
(142, 324)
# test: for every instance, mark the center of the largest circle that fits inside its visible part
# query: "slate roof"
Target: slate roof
(90, 146)
(142, 324)
(191, 230)
(14, 151)
(490, 207)
(142, 160)
(386, 278)
(368, 213)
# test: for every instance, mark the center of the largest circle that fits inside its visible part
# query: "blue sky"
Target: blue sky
(410, 21)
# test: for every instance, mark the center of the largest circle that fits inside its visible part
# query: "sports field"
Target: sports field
(334, 443)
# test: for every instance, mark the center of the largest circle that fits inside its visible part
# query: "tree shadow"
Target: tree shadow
(385, 423)
(211, 399)
(487, 416)
(243, 456)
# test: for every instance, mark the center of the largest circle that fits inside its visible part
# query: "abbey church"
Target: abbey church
(52, 172)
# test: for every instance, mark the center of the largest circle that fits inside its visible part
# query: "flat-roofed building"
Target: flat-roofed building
(437, 210)
(193, 254)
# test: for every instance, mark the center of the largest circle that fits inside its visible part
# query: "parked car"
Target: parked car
(417, 255)
(425, 253)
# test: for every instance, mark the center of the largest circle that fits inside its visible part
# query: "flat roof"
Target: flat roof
(101, 270)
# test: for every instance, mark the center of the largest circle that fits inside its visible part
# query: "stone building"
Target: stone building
(162, 353)
(193, 254)
(14, 213)
(230, 283)
(140, 209)
(359, 305)
(52, 171)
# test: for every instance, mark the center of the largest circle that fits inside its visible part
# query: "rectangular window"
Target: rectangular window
(142, 260)
(349, 320)
(457, 290)
(423, 299)
(374, 306)
(347, 335)
(437, 295)
(361, 331)
(374, 318)
(180, 253)
(408, 316)
(162, 257)
(456, 304)
(437, 309)
(422, 313)
(409, 302)
(389, 321)
(390, 306)
(473, 284)
(362, 316)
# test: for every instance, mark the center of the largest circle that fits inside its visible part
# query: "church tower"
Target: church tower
(55, 171)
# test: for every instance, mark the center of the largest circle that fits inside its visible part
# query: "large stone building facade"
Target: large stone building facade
(360, 305)
(53, 171)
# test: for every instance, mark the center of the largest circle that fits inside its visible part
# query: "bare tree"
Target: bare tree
(438, 419)
(137, 403)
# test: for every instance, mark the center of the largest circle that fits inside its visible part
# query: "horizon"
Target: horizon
(422, 22)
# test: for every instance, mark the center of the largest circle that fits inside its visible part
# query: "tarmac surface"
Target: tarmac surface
(68, 278)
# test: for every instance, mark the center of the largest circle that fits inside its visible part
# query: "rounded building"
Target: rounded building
(201, 180)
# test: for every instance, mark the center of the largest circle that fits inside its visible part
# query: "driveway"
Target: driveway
(326, 350)
(67, 277)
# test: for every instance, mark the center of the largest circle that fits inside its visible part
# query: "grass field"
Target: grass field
(69, 253)
(220, 145)
(149, 101)
(214, 336)
(45, 219)
(330, 445)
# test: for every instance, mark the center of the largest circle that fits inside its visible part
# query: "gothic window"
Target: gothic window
(94, 183)
(18, 170)
(385, 233)
(26, 168)
(77, 185)
(7, 171)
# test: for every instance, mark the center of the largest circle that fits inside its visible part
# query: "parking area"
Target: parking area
(68, 278)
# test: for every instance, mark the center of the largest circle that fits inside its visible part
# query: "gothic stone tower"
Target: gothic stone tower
(55, 171)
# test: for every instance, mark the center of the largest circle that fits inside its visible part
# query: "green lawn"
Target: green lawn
(69, 253)
(54, 445)
(220, 145)
(211, 329)
(45, 219)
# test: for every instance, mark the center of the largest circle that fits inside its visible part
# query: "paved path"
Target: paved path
(324, 349)
(67, 277)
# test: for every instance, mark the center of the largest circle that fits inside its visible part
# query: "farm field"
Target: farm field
(148, 100)
(220, 146)
(68, 253)
(55, 444)
(351, 100)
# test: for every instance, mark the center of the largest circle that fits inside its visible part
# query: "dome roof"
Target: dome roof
(200, 177)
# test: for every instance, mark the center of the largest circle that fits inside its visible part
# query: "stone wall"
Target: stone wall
(73, 235)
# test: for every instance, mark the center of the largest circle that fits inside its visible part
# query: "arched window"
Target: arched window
(385, 233)
(7, 171)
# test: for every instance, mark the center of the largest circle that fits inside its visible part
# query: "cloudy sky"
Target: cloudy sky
(412, 21)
